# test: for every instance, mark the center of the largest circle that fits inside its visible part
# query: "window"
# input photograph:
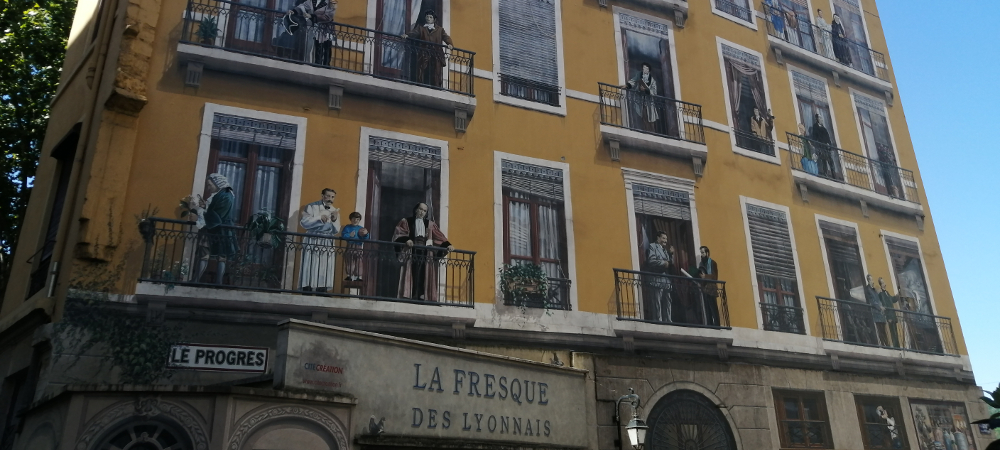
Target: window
(854, 27)
(400, 175)
(256, 157)
(739, 9)
(942, 421)
(881, 423)
(645, 43)
(790, 20)
(64, 154)
(535, 223)
(876, 140)
(844, 258)
(920, 330)
(811, 99)
(802, 419)
(775, 269)
(748, 106)
(529, 51)
(395, 18)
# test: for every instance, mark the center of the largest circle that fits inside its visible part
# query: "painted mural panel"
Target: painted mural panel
(751, 116)
(881, 423)
(941, 425)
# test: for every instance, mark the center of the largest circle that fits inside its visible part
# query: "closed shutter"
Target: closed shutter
(528, 41)
(541, 181)
(841, 243)
(661, 202)
(771, 242)
(809, 87)
(405, 153)
(254, 131)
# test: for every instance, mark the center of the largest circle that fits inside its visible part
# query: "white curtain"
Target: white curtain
(548, 230)
(519, 229)
(250, 24)
(236, 173)
(393, 23)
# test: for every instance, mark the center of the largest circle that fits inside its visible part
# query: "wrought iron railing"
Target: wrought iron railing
(783, 318)
(754, 143)
(556, 296)
(178, 254)
(653, 114)
(811, 38)
(668, 299)
(873, 325)
(826, 161)
(244, 28)
(734, 9)
(525, 89)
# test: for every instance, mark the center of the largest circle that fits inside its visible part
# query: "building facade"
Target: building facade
(714, 203)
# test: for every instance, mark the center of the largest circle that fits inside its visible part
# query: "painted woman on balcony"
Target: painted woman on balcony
(215, 235)
(430, 57)
(302, 21)
(825, 35)
(641, 97)
(418, 277)
(840, 44)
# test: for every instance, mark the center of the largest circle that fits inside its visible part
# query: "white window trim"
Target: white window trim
(923, 264)
(362, 189)
(829, 99)
(662, 181)
(498, 225)
(521, 103)
(753, 15)
(618, 11)
(823, 250)
(445, 14)
(861, 134)
(205, 143)
(776, 159)
(753, 265)
(864, 23)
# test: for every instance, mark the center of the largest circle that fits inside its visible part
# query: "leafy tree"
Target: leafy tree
(32, 46)
(993, 400)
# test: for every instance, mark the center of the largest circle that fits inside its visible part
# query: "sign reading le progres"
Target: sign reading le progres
(218, 358)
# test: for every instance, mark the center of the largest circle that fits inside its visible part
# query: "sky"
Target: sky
(945, 59)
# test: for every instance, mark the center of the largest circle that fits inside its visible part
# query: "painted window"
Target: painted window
(844, 257)
(645, 43)
(397, 17)
(908, 269)
(882, 425)
(739, 9)
(529, 67)
(812, 100)
(256, 157)
(668, 210)
(877, 142)
(849, 12)
(802, 419)
(774, 264)
(400, 175)
(748, 101)
(942, 425)
(790, 20)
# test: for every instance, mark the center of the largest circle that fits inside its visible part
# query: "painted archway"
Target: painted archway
(687, 420)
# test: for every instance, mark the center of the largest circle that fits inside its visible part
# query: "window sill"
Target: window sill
(305, 75)
(752, 24)
(679, 7)
(653, 143)
(801, 54)
(528, 104)
(854, 193)
(756, 155)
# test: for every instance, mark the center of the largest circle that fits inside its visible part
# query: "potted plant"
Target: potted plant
(264, 229)
(208, 30)
(522, 283)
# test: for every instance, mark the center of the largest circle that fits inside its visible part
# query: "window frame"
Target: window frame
(534, 202)
(825, 252)
(498, 97)
(834, 132)
(636, 176)
(861, 135)
(752, 24)
(859, 401)
(923, 265)
(820, 397)
(776, 159)
(252, 161)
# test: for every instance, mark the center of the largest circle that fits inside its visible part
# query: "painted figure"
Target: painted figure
(777, 18)
(792, 27)
(890, 424)
(708, 269)
(660, 260)
(418, 279)
(318, 252)
(216, 239)
(841, 46)
(877, 311)
(355, 235)
(825, 46)
(300, 23)
(642, 87)
(827, 158)
(761, 126)
(888, 302)
(430, 57)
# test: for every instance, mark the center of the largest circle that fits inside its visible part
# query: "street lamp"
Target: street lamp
(636, 428)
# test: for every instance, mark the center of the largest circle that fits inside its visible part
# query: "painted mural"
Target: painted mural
(941, 425)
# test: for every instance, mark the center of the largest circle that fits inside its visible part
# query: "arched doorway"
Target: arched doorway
(686, 420)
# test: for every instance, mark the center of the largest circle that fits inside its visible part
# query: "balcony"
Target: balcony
(782, 318)
(754, 143)
(555, 297)
(815, 46)
(841, 173)
(252, 41)
(671, 300)
(858, 323)
(300, 265)
(652, 123)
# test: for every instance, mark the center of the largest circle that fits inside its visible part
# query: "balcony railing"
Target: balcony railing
(754, 143)
(533, 91)
(786, 319)
(860, 323)
(734, 9)
(667, 299)
(555, 297)
(816, 40)
(825, 161)
(243, 28)
(178, 254)
(652, 114)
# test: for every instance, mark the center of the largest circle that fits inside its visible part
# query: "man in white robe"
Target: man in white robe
(319, 253)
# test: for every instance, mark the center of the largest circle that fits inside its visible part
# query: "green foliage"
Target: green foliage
(262, 223)
(522, 282)
(138, 348)
(993, 400)
(208, 29)
(32, 47)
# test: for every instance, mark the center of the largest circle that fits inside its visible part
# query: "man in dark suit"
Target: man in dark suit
(708, 269)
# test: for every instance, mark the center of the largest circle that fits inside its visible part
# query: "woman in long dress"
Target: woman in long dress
(642, 91)
(825, 37)
(841, 47)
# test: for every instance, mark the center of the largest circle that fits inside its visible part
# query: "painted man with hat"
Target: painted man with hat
(430, 57)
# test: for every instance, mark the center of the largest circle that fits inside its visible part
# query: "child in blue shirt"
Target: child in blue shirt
(354, 234)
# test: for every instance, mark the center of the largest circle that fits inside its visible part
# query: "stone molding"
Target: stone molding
(254, 421)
